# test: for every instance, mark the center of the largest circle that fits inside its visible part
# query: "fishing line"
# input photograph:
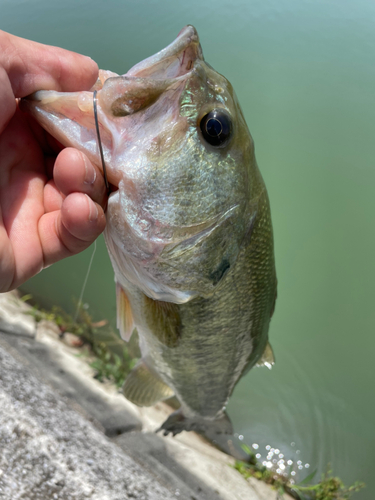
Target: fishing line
(99, 141)
(84, 284)
(108, 191)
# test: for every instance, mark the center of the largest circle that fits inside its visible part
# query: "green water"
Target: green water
(304, 73)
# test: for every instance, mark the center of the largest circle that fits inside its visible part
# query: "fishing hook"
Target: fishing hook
(100, 142)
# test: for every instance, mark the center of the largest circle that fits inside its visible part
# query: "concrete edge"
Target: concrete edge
(186, 459)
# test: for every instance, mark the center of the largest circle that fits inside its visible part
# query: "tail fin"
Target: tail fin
(177, 422)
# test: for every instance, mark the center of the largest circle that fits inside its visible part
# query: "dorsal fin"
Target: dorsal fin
(125, 322)
(163, 319)
(268, 358)
(144, 388)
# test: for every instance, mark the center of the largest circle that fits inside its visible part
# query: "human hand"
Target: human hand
(51, 202)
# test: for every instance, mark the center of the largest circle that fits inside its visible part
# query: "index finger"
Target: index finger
(32, 66)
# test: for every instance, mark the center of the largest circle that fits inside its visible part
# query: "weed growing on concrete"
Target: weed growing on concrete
(328, 488)
(112, 360)
(110, 366)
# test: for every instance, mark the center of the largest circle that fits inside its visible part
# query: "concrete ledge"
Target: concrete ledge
(151, 452)
(64, 435)
(59, 365)
(50, 452)
(14, 317)
(199, 471)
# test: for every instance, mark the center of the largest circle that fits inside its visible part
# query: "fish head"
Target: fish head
(180, 161)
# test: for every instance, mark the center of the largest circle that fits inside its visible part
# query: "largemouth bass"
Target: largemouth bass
(188, 229)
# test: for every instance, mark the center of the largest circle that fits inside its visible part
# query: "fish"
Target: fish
(189, 229)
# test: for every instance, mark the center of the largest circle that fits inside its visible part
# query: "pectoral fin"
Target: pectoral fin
(163, 319)
(144, 388)
(268, 358)
(125, 322)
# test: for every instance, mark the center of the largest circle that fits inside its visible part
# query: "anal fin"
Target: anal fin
(125, 322)
(144, 388)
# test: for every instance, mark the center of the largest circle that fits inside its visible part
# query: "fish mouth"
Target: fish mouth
(175, 60)
(69, 116)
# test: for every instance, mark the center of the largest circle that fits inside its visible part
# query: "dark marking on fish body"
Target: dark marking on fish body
(219, 273)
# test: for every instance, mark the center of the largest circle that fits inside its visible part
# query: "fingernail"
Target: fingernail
(90, 172)
(93, 210)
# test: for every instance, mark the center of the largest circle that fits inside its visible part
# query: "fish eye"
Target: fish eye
(216, 127)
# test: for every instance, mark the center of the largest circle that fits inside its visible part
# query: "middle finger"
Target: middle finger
(73, 172)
